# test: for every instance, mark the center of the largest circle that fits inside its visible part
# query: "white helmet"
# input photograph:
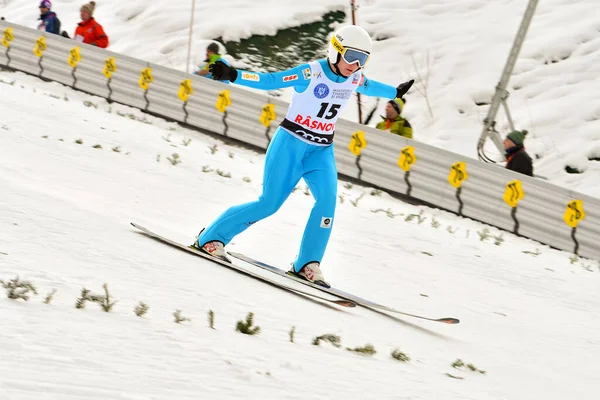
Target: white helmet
(350, 37)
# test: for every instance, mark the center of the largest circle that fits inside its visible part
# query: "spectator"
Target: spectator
(212, 55)
(88, 30)
(393, 121)
(49, 21)
(517, 158)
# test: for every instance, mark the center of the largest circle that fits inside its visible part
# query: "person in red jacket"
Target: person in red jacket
(88, 30)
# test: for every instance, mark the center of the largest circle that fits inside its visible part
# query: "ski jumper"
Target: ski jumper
(302, 147)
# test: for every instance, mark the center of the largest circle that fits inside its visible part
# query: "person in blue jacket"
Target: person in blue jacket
(49, 22)
(302, 146)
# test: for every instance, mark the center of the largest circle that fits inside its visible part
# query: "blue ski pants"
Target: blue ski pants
(288, 159)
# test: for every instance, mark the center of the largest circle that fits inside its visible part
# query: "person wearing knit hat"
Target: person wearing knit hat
(49, 21)
(212, 55)
(88, 30)
(393, 122)
(517, 158)
(89, 8)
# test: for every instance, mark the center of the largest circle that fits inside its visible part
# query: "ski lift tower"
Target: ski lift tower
(501, 94)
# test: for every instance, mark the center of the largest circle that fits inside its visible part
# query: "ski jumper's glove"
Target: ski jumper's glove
(221, 71)
(402, 88)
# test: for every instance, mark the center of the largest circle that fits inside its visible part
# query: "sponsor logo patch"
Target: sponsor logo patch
(342, 93)
(314, 124)
(326, 222)
(317, 74)
(336, 42)
(290, 78)
(321, 91)
(249, 76)
(306, 73)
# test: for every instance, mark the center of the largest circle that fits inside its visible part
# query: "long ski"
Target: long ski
(336, 292)
(342, 302)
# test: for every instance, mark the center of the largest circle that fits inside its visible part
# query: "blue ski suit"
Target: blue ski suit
(302, 147)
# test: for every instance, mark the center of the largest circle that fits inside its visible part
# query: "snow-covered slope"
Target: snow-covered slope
(456, 50)
(529, 315)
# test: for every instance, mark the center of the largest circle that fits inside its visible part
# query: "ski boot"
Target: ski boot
(213, 248)
(312, 273)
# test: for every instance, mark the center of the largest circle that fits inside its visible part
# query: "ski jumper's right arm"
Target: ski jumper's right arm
(297, 77)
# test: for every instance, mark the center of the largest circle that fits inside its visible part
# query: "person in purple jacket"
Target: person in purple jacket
(302, 146)
(49, 22)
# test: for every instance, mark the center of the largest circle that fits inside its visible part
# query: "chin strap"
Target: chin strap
(335, 68)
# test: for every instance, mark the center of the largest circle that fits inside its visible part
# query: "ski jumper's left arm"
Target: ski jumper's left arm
(370, 87)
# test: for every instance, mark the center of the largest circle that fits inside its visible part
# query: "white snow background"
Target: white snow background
(529, 314)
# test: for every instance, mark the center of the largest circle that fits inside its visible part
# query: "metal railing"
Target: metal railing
(488, 193)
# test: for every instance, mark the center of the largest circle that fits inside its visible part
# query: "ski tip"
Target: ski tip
(450, 321)
(138, 226)
(345, 303)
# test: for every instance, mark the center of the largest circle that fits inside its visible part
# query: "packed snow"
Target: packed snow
(75, 171)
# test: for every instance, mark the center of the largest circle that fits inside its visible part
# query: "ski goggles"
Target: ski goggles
(350, 55)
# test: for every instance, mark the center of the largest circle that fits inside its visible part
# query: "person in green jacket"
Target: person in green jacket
(393, 121)
(212, 55)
